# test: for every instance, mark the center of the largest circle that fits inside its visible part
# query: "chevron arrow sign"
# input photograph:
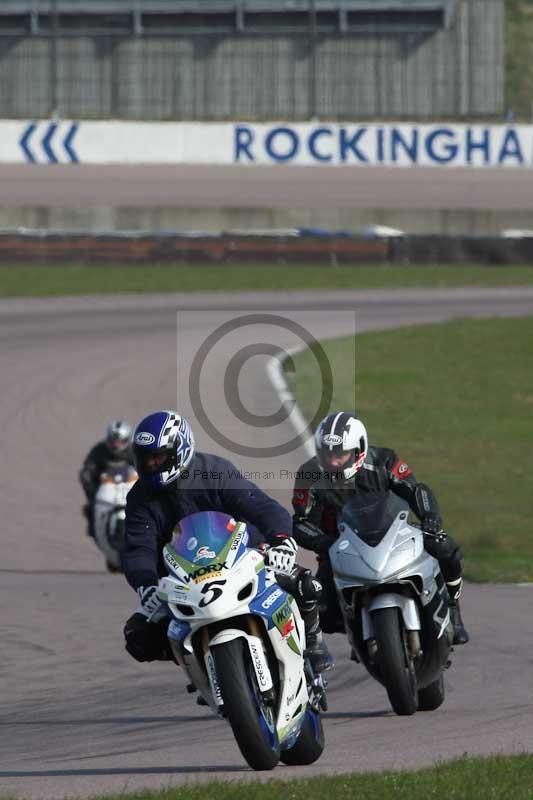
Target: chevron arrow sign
(49, 143)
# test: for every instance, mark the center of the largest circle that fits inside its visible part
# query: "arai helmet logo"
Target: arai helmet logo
(144, 438)
(331, 439)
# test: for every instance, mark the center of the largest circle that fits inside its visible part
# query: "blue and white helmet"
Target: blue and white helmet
(163, 446)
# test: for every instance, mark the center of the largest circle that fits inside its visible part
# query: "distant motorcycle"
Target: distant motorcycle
(241, 639)
(394, 603)
(110, 513)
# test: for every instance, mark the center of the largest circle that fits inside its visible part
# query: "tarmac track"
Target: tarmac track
(204, 187)
(78, 717)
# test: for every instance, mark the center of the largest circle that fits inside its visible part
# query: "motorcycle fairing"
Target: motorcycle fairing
(214, 577)
(353, 558)
(204, 539)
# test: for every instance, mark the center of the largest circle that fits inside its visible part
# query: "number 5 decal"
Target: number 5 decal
(214, 588)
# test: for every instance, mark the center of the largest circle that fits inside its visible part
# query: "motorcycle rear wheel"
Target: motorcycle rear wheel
(309, 744)
(395, 666)
(252, 721)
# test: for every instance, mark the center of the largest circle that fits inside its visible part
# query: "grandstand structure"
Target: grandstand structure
(253, 59)
(202, 17)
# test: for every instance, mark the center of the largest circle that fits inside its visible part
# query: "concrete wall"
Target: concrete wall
(455, 72)
(214, 220)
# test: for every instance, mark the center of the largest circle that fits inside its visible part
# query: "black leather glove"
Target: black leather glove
(310, 536)
(432, 523)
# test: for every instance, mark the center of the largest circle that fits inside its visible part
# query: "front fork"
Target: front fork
(365, 637)
(257, 652)
(316, 689)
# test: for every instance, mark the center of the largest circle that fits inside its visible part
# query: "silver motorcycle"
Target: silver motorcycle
(394, 602)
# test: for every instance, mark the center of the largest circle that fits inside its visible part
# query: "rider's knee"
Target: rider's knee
(442, 546)
(309, 588)
(448, 554)
(305, 589)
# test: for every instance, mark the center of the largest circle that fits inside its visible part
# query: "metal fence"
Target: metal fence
(337, 65)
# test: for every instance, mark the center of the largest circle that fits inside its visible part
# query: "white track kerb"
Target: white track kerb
(277, 378)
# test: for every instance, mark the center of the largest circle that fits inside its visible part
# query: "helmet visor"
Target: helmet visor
(153, 462)
(335, 458)
(117, 444)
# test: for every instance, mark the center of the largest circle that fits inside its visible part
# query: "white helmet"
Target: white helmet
(341, 445)
(118, 436)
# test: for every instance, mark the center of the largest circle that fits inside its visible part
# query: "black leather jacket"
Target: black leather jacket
(98, 460)
(319, 501)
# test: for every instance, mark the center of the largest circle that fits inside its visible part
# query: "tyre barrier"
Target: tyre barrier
(286, 247)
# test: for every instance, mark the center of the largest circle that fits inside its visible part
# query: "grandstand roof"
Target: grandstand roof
(220, 16)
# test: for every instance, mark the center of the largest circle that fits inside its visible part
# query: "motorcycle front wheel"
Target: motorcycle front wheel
(395, 665)
(252, 721)
(309, 744)
(432, 696)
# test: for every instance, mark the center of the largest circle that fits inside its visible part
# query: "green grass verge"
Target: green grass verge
(462, 779)
(455, 400)
(27, 281)
(466, 778)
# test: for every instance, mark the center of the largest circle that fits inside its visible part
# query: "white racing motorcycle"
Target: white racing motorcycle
(394, 602)
(240, 638)
(110, 513)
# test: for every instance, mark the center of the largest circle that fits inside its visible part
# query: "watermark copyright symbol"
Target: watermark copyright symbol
(233, 370)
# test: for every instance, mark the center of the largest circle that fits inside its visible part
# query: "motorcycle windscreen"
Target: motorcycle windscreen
(370, 520)
(203, 537)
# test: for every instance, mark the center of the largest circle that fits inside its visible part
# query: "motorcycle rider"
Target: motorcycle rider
(344, 467)
(112, 452)
(175, 481)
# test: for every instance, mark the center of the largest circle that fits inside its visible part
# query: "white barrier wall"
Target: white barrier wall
(349, 144)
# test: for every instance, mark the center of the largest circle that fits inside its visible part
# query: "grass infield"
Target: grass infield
(27, 281)
(455, 400)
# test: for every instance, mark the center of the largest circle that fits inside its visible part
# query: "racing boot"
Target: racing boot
(460, 634)
(316, 649)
